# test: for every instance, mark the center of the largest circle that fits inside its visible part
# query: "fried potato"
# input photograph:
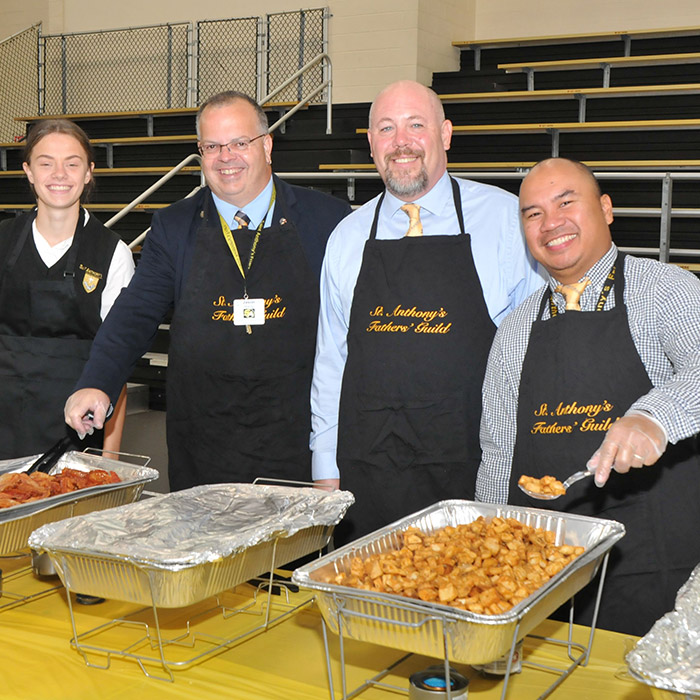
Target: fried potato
(486, 566)
(547, 485)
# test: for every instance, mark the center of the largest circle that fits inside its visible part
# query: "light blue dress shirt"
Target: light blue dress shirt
(507, 272)
(254, 210)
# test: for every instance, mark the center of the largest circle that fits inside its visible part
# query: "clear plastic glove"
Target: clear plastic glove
(635, 440)
(86, 410)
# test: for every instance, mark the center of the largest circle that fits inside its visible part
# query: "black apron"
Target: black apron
(238, 404)
(48, 319)
(418, 341)
(581, 373)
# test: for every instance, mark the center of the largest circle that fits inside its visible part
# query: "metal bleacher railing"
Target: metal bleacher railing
(665, 212)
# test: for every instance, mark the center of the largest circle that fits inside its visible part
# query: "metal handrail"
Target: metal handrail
(327, 83)
(147, 193)
(140, 238)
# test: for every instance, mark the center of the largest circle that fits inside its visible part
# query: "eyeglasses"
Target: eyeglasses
(240, 145)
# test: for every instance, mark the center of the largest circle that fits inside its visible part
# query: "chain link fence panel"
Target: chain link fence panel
(228, 56)
(118, 70)
(293, 39)
(18, 81)
(154, 67)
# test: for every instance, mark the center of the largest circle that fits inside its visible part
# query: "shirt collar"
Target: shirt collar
(597, 274)
(433, 201)
(43, 245)
(255, 210)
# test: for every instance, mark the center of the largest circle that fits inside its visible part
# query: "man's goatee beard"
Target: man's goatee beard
(407, 187)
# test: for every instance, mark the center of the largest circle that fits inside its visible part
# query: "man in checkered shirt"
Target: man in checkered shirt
(614, 386)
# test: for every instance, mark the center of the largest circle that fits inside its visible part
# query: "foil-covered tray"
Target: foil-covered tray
(416, 626)
(18, 522)
(667, 657)
(180, 548)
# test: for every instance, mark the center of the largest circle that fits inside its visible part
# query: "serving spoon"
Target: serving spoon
(576, 476)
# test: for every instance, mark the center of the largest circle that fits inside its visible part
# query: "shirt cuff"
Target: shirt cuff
(323, 466)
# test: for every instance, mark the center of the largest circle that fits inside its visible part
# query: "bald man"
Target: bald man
(613, 384)
(414, 284)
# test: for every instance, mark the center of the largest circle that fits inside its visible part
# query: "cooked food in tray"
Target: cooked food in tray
(547, 485)
(19, 488)
(486, 567)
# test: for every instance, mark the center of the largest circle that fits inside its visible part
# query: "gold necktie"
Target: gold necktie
(415, 228)
(572, 293)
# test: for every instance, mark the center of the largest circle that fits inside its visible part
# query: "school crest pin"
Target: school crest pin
(90, 279)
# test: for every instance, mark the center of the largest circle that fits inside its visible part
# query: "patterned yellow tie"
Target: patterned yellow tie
(241, 219)
(572, 293)
(415, 228)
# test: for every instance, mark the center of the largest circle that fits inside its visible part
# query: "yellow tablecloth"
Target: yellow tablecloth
(286, 662)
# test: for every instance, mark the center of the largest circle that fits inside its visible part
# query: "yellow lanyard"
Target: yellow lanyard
(232, 243)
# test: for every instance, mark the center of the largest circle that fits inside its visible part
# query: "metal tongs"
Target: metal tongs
(51, 456)
(576, 476)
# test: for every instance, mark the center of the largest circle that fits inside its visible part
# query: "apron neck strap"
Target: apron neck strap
(72, 251)
(21, 240)
(456, 197)
(375, 221)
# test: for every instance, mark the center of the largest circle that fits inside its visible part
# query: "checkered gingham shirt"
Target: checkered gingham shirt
(663, 307)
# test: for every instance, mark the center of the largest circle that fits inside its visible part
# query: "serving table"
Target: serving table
(286, 662)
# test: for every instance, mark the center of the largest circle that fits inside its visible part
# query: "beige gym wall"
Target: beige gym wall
(371, 43)
(514, 18)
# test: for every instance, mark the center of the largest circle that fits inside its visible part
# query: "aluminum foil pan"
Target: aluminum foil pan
(415, 626)
(668, 656)
(18, 522)
(177, 549)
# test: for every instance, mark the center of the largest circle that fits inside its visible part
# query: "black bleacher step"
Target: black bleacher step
(619, 76)
(161, 342)
(513, 112)
(491, 80)
(490, 57)
(654, 107)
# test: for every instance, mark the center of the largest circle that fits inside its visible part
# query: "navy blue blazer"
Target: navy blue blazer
(130, 327)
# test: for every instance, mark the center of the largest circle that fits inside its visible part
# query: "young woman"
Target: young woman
(60, 272)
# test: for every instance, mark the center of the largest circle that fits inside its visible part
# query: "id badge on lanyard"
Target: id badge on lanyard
(247, 312)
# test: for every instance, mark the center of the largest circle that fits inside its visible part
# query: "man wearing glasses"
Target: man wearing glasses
(239, 262)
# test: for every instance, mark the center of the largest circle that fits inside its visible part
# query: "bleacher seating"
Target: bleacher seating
(635, 129)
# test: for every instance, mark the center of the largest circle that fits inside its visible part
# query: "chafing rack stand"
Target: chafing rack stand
(578, 654)
(151, 646)
(10, 599)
